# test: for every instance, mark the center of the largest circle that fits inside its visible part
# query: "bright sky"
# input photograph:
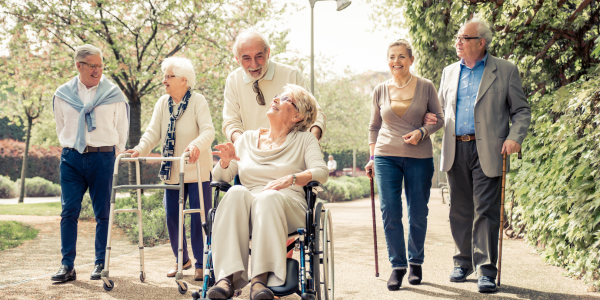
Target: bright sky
(346, 36)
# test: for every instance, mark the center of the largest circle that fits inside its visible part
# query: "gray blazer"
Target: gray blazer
(500, 97)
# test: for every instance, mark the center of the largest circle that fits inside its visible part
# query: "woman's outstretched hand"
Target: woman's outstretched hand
(226, 153)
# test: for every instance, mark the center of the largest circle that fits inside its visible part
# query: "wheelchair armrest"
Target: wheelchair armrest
(313, 186)
(220, 185)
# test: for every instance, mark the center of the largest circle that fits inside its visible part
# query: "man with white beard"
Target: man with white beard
(250, 88)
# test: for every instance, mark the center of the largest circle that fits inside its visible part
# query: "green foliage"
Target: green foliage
(550, 41)
(13, 234)
(153, 217)
(7, 188)
(8, 130)
(346, 188)
(344, 158)
(32, 209)
(39, 187)
(557, 183)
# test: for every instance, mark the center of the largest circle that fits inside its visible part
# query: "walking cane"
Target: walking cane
(374, 225)
(502, 214)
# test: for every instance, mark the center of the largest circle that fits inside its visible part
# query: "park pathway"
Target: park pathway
(524, 275)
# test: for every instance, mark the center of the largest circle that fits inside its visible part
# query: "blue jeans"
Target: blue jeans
(171, 203)
(78, 172)
(417, 173)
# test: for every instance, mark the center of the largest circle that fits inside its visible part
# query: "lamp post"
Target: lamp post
(341, 4)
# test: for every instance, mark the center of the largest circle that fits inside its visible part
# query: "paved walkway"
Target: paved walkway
(26, 273)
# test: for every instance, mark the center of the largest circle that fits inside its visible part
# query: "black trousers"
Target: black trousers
(474, 211)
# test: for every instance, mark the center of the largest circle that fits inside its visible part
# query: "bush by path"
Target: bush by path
(346, 188)
(38, 187)
(7, 188)
(557, 183)
(13, 234)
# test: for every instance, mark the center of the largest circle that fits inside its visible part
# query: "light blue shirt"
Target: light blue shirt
(468, 85)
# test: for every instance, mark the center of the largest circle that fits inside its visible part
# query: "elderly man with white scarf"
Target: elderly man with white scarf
(181, 122)
(92, 122)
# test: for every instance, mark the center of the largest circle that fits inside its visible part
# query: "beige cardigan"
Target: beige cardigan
(194, 127)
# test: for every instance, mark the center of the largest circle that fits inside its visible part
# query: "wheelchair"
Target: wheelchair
(313, 277)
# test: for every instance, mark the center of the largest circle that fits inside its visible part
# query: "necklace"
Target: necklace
(401, 87)
(274, 143)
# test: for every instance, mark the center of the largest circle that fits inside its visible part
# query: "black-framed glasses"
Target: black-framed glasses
(94, 66)
(286, 99)
(260, 99)
(464, 39)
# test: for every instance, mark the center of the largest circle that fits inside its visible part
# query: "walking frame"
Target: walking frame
(502, 214)
(182, 286)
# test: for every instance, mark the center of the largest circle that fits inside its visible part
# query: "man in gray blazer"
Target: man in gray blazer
(479, 95)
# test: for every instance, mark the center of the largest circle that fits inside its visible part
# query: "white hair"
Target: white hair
(182, 67)
(483, 31)
(86, 50)
(246, 34)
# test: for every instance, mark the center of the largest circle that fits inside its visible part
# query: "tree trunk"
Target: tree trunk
(135, 115)
(353, 162)
(24, 167)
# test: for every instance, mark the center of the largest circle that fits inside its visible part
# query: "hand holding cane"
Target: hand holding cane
(502, 214)
(370, 172)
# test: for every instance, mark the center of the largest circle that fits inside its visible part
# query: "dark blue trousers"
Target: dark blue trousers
(171, 203)
(78, 173)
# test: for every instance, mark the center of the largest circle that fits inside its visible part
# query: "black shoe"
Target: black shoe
(65, 273)
(97, 273)
(460, 274)
(395, 281)
(415, 275)
(486, 284)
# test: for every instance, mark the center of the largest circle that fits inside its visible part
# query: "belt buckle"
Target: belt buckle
(467, 139)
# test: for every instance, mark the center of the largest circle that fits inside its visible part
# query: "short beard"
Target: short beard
(262, 74)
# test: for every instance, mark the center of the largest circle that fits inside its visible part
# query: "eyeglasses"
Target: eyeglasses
(285, 99)
(94, 66)
(259, 95)
(167, 77)
(463, 39)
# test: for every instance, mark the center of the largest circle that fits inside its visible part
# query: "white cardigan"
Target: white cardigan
(194, 127)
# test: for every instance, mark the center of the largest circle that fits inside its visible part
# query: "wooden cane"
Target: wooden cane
(370, 172)
(502, 214)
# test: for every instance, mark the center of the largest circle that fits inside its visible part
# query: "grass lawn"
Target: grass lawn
(13, 234)
(35, 209)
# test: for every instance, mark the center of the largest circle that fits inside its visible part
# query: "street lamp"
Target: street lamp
(341, 4)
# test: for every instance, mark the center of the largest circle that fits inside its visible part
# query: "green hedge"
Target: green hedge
(557, 183)
(38, 187)
(346, 188)
(7, 188)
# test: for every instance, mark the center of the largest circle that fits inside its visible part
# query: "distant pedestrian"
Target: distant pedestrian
(480, 94)
(92, 122)
(332, 166)
(401, 150)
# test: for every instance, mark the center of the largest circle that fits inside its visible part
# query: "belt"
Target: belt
(465, 138)
(96, 149)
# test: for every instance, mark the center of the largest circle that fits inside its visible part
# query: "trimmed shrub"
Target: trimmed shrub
(346, 188)
(38, 187)
(42, 162)
(7, 188)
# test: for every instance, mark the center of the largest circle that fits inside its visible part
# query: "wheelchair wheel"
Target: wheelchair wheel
(317, 274)
(328, 262)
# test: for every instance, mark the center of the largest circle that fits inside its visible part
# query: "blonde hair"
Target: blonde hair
(306, 104)
(402, 42)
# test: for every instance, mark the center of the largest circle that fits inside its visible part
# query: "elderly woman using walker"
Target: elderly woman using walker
(401, 150)
(181, 122)
(273, 165)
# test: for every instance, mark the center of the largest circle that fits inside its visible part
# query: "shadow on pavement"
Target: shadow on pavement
(515, 292)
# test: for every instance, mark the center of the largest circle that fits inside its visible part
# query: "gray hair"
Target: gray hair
(86, 50)
(483, 31)
(402, 42)
(249, 33)
(182, 67)
(306, 104)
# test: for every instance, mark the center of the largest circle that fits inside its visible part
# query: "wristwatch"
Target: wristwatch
(293, 179)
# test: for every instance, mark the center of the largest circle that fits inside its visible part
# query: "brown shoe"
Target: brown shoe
(173, 271)
(221, 291)
(198, 276)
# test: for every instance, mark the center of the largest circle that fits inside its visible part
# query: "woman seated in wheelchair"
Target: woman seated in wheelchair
(273, 165)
